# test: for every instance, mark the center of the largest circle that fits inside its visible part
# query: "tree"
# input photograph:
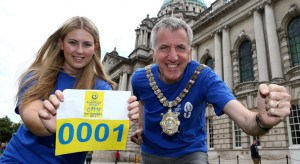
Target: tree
(7, 128)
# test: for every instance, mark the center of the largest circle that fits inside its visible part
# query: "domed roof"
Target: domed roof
(169, 2)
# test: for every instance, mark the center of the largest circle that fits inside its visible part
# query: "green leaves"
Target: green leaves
(7, 128)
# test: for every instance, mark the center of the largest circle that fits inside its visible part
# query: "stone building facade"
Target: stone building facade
(246, 42)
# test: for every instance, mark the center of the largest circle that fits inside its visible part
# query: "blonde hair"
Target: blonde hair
(50, 59)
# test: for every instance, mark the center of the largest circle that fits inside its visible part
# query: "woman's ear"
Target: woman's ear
(96, 46)
(60, 43)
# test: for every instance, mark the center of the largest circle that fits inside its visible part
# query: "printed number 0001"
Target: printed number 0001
(88, 127)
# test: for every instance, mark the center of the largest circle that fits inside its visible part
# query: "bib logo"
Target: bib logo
(93, 106)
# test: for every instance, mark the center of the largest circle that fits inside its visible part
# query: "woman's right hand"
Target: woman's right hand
(48, 113)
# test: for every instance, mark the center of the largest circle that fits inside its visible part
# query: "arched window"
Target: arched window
(246, 62)
(294, 40)
(209, 62)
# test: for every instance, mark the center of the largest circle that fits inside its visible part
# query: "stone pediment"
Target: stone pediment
(293, 73)
(245, 87)
(111, 61)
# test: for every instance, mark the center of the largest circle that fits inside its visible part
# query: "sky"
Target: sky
(27, 24)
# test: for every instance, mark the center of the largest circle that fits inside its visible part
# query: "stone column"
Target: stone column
(141, 37)
(124, 81)
(195, 52)
(145, 37)
(263, 74)
(274, 51)
(129, 88)
(137, 32)
(218, 55)
(120, 83)
(227, 66)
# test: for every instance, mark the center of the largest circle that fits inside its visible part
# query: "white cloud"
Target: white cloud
(25, 25)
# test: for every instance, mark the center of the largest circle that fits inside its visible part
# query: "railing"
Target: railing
(239, 160)
(133, 158)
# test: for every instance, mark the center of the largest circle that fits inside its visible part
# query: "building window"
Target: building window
(246, 62)
(186, 8)
(294, 40)
(294, 119)
(210, 132)
(237, 136)
(209, 62)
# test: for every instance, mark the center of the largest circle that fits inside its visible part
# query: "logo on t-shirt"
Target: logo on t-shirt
(188, 108)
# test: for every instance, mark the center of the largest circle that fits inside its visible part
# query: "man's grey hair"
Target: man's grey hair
(173, 24)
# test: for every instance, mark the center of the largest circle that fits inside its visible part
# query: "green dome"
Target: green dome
(166, 3)
(199, 2)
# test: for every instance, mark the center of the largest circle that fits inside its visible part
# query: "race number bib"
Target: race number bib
(90, 120)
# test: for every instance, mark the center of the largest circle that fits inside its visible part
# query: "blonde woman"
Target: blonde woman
(69, 59)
